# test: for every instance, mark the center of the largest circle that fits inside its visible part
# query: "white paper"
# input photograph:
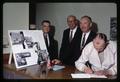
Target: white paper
(82, 75)
(57, 67)
(97, 76)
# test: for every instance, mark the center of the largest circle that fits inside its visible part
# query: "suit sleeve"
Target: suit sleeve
(80, 63)
(113, 47)
(62, 49)
(55, 49)
(113, 69)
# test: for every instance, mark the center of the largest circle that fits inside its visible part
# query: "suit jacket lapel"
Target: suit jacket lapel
(77, 34)
(89, 38)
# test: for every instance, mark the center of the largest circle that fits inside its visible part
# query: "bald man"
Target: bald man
(70, 42)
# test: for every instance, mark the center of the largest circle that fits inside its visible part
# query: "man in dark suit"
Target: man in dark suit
(70, 42)
(87, 34)
(51, 44)
(70, 51)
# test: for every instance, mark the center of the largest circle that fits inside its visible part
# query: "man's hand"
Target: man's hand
(56, 61)
(88, 70)
(102, 72)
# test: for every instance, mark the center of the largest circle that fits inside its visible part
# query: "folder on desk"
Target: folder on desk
(57, 67)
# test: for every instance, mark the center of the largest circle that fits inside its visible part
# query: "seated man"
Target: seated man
(51, 43)
(102, 56)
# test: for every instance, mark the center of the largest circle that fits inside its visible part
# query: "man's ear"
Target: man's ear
(94, 40)
(76, 22)
(91, 24)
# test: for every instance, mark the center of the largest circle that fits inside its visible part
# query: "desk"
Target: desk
(34, 72)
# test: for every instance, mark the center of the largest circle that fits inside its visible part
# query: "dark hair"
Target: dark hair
(45, 21)
(102, 36)
(87, 17)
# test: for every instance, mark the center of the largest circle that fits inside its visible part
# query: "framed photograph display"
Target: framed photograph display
(28, 47)
(113, 28)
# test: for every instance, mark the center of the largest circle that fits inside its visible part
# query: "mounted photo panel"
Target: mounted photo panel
(113, 28)
(28, 46)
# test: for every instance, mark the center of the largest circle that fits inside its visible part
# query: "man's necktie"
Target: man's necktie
(46, 40)
(83, 41)
(71, 34)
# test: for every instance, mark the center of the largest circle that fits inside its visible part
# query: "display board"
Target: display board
(28, 47)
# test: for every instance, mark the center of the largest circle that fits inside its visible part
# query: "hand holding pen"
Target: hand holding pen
(88, 70)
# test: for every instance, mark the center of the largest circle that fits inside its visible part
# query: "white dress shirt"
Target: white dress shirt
(73, 33)
(86, 37)
(46, 34)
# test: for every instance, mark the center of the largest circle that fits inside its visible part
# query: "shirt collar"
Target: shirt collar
(87, 32)
(74, 30)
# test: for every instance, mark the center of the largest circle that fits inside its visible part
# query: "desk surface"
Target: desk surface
(34, 72)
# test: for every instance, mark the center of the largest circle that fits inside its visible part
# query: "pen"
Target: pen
(89, 66)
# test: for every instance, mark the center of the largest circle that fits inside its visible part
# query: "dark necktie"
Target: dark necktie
(83, 41)
(71, 34)
(46, 40)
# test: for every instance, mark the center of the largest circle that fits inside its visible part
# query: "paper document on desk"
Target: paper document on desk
(57, 67)
(82, 75)
(97, 76)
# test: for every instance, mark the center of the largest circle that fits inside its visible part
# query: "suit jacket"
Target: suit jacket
(52, 48)
(90, 37)
(68, 49)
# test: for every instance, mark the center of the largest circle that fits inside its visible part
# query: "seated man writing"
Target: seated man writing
(102, 56)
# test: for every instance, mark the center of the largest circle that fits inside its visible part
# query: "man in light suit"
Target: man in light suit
(101, 54)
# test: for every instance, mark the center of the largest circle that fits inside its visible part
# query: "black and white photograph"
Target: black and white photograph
(19, 38)
(28, 47)
(42, 54)
(16, 38)
(21, 58)
(29, 42)
(113, 28)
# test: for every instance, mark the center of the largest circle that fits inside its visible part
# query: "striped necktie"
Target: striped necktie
(83, 41)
